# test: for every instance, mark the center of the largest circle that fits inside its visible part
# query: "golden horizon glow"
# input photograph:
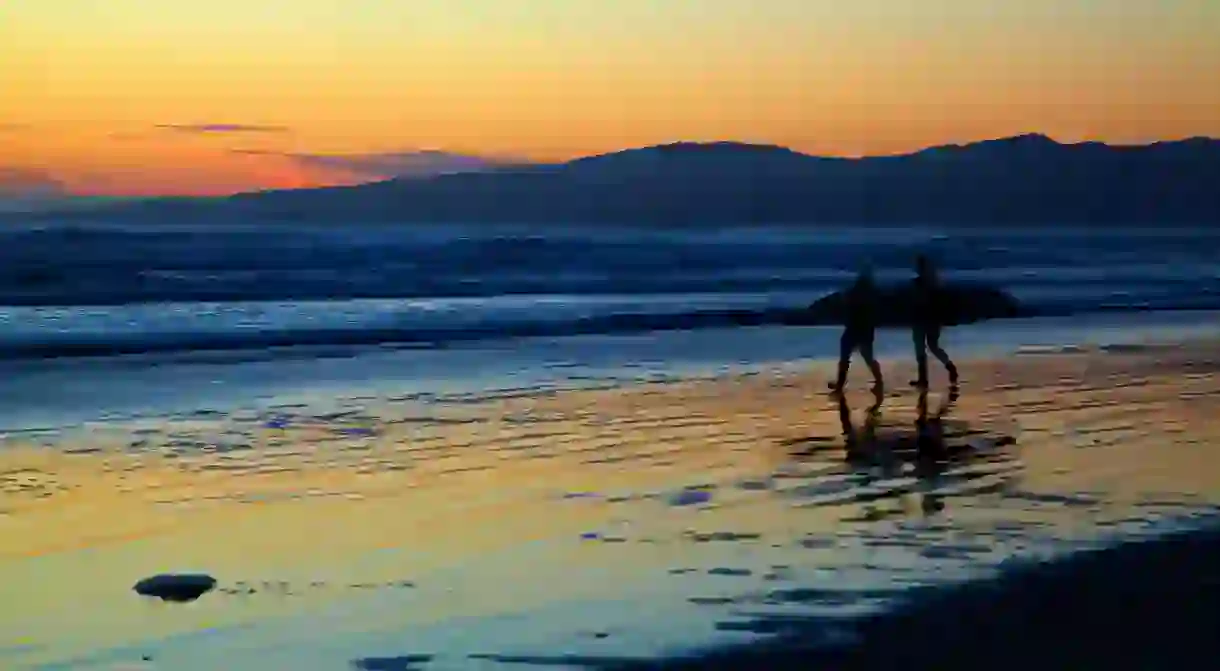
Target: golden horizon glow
(87, 85)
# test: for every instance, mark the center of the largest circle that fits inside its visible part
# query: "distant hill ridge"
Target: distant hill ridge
(1025, 179)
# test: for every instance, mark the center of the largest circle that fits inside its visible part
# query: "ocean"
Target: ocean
(105, 320)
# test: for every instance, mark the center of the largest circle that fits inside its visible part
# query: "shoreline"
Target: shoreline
(499, 495)
(64, 395)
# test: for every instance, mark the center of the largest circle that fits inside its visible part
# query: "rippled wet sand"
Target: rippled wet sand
(619, 522)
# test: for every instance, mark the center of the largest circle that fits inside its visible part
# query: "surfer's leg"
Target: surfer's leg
(933, 339)
(919, 335)
(870, 360)
(847, 343)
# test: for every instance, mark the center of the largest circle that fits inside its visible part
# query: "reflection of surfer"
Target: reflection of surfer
(929, 312)
(865, 452)
(859, 330)
(930, 447)
(860, 444)
(930, 431)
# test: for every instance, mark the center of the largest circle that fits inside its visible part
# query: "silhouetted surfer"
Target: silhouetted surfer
(859, 330)
(928, 316)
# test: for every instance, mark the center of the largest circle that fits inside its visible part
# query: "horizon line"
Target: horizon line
(527, 162)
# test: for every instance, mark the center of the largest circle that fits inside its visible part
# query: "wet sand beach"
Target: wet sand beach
(633, 522)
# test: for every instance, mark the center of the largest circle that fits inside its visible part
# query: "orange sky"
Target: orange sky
(87, 88)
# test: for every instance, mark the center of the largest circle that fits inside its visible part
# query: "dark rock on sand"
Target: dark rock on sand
(176, 587)
(400, 663)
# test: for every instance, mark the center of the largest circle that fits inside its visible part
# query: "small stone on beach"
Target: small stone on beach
(690, 497)
(179, 588)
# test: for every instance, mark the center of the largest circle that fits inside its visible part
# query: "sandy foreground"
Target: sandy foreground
(464, 507)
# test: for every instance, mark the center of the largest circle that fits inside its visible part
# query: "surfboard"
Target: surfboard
(957, 304)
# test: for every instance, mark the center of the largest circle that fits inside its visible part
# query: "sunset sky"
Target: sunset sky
(213, 96)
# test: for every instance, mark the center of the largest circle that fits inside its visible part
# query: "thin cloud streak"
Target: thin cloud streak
(206, 128)
(389, 165)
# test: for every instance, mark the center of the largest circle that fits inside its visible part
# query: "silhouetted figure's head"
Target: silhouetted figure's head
(865, 279)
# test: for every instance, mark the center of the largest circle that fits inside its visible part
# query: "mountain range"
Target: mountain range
(1026, 179)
